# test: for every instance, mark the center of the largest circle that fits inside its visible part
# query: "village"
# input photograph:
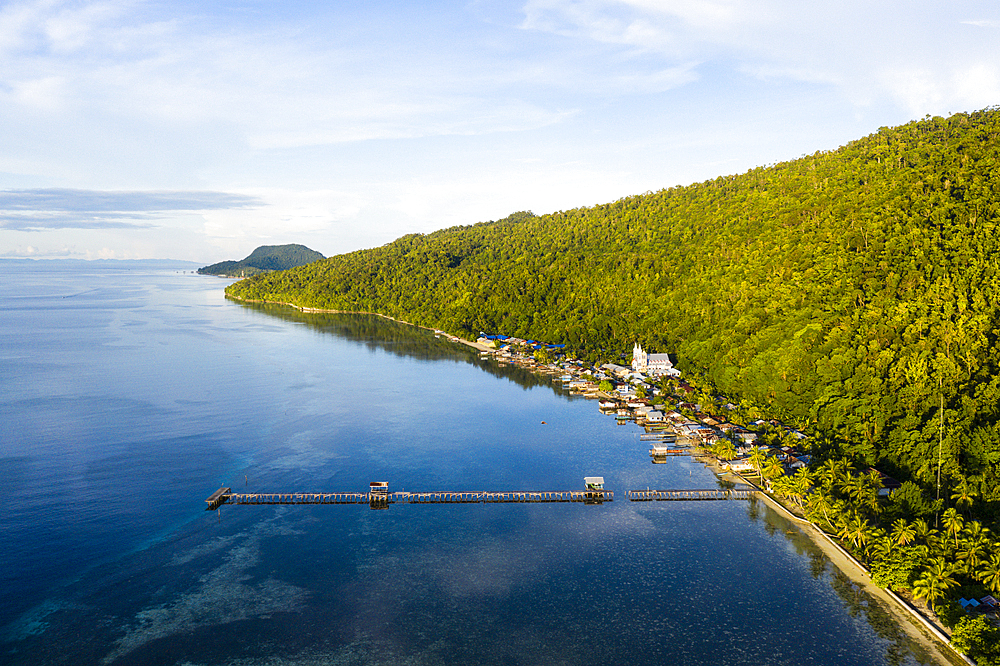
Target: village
(674, 426)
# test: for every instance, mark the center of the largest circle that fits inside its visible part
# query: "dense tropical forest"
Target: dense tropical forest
(852, 293)
(264, 259)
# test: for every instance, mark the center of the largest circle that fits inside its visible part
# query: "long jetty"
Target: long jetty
(590, 496)
(688, 495)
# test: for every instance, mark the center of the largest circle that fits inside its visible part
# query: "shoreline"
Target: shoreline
(303, 308)
(917, 627)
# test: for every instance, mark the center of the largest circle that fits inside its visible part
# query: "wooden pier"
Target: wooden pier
(688, 495)
(382, 498)
(218, 498)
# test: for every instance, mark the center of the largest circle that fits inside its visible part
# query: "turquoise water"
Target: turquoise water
(130, 392)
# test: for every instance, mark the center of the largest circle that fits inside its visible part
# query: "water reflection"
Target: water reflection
(400, 339)
(857, 602)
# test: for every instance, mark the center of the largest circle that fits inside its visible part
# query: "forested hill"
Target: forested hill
(265, 258)
(847, 291)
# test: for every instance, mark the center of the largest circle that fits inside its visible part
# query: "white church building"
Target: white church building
(652, 364)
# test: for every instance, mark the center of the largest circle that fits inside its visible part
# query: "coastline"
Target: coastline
(918, 628)
(302, 308)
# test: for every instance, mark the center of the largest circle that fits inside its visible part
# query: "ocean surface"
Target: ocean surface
(130, 392)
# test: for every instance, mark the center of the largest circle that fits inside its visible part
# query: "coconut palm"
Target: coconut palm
(903, 533)
(856, 530)
(975, 530)
(963, 494)
(818, 502)
(935, 580)
(773, 468)
(879, 544)
(926, 534)
(831, 472)
(724, 449)
(758, 457)
(801, 484)
(953, 523)
(974, 551)
(989, 571)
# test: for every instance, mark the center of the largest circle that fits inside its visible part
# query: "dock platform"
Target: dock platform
(590, 496)
(689, 495)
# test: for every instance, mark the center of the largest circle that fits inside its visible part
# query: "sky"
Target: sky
(201, 130)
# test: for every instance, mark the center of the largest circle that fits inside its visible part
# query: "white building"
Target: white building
(652, 364)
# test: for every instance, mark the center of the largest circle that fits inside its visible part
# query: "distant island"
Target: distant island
(265, 259)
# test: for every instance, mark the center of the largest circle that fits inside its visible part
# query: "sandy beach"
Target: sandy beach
(920, 630)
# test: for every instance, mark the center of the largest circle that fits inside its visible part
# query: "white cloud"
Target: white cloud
(354, 125)
(983, 23)
(922, 58)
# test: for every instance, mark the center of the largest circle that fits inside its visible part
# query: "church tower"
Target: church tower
(640, 360)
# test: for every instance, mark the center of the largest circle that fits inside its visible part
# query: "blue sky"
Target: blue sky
(202, 130)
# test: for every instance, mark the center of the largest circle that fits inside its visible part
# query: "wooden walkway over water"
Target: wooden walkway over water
(226, 496)
(689, 495)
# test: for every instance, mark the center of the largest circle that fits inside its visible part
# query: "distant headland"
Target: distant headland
(264, 259)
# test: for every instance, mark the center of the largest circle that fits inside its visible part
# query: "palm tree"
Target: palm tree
(880, 545)
(856, 529)
(974, 530)
(819, 502)
(953, 523)
(800, 484)
(973, 551)
(831, 472)
(989, 571)
(963, 494)
(935, 580)
(902, 532)
(773, 468)
(758, 456)
(724, 449)
(925, 533)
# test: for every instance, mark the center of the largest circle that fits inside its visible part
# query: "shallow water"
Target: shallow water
(130, 393)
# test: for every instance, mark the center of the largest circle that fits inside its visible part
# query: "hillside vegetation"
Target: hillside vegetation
(265, 258)
(850, 292)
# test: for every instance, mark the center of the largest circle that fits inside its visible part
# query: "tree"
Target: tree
(724, 449)
(773, 468)
(831, 473)
(989, 570)
(794, 486)
(953, 523)
(895, 569)
(758, 458)
(977, 638)
(856, 530)
(818, 504)
(963, 494)
(926, 534)
(936, 579)
(974, 546)
(903, 533)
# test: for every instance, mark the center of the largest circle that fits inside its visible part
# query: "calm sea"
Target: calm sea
(130, 392)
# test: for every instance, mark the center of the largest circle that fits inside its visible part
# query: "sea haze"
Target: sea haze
(131, 393)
